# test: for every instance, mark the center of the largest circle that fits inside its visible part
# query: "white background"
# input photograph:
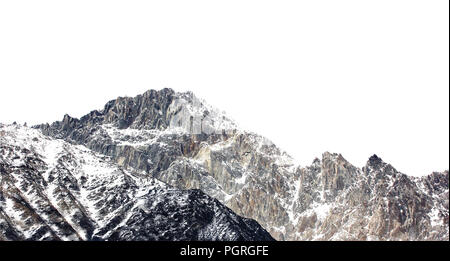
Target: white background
(354, 77)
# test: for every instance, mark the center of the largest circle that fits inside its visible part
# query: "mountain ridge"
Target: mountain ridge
(178, 139)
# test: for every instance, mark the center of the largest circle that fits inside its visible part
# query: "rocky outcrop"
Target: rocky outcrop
(180, 140)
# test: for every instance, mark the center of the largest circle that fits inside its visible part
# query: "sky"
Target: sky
(351, 77)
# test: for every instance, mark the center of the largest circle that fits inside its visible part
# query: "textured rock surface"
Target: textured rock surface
(52, 190)
(182, 141)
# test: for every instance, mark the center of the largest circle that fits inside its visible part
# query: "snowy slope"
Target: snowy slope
(53, 190)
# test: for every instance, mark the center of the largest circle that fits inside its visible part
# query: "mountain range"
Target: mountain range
(167, 166)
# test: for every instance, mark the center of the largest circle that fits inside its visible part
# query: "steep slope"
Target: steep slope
(180, 140)
(52, 190)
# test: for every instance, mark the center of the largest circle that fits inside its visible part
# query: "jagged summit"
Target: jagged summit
(374, 160)
(153, 109)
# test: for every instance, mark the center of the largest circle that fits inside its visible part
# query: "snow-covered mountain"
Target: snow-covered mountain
(182, 141)
(53, 190)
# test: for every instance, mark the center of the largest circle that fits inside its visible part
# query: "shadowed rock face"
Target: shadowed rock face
(53, 190)
(154, 134)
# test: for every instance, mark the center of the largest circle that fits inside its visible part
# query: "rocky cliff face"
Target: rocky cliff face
(53, 190)
(180, 140)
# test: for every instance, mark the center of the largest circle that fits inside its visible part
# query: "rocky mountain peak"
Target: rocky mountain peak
(375, 161)
(69, 122)
(334, 158)
(152, 110)
(316, 162)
